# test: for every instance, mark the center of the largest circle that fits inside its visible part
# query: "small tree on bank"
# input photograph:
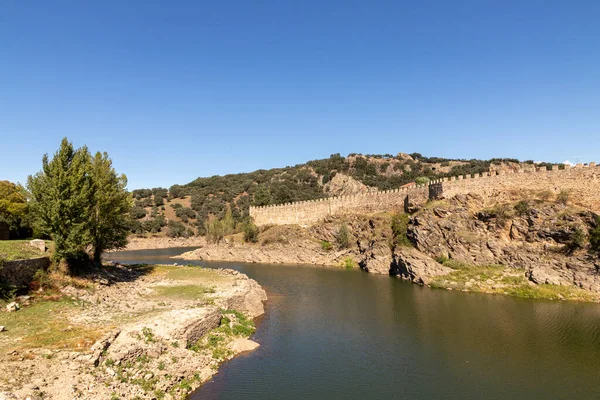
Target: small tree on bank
(81, 203)
(110, 205)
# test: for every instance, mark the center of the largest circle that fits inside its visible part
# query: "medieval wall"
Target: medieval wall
(582, 182)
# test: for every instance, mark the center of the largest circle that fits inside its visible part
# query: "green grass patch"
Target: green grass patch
(183, 292)
(233, 325)
(188, 273)
(475, 278)
(17, 249)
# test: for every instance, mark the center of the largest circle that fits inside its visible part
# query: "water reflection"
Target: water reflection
(339, 334)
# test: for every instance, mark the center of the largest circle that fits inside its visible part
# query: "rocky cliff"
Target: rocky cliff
(525, 241)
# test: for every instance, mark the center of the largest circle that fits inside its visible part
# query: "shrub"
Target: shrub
(563, 197)
(421, 180)
(399, 230)
(348, 263)
(576, 240)
(250, 232)
(325, 245)
(137, 212)
(522, 207)
(595, 237)
(343, 237)
(502, 213)
(175, 206)
(176, 229)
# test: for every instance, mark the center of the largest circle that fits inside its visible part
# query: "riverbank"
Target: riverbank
(150, 332)
(161, 242)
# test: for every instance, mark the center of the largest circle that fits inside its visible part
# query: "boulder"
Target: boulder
(240, 345)
(38, 244)
(543, 276)
(412, 265)
(12, 307)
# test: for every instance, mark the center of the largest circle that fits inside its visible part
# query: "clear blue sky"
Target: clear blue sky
(173, 90)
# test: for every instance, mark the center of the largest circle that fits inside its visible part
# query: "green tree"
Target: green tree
(262, 196)
(110, 206)
(81, 203)
(214, 230)
(13, 206)
(228, 222)
(60, 201)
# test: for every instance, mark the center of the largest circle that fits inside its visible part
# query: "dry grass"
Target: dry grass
(44, 324)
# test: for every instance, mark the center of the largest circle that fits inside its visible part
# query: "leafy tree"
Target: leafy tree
(262, 196)
(81, 203)
(228, 222)
(109, 206)
(138, 212)
(61, 194)
(13, 208)
(214, 230)
(177, 191)
(176, 229)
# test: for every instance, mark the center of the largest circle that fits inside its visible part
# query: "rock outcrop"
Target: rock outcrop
(412, 265)
(533, 236)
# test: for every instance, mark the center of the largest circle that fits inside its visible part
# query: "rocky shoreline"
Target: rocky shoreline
(148, 332)
(531, 247)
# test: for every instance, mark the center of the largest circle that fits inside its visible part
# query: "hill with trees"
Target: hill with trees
(188, 209)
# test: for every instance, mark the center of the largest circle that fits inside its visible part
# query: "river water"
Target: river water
(346, 334)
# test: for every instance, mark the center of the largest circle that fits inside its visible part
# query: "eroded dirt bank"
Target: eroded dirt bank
(148, 332)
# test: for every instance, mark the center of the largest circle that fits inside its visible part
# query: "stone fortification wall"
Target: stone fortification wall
(307, 212)
(20, 272)
(582, 182)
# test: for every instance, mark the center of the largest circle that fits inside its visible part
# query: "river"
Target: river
(345, 334)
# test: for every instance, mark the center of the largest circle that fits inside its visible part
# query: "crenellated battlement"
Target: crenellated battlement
(583, 180)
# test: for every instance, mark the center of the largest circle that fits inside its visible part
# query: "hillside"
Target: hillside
(183, 210)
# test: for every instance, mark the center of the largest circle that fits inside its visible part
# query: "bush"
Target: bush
(563, 197)
(176, 229)
(137, 212)
(522, 207)
(421, 180)
(325, 245)
(576, 240)
(250, 232)
(502, 213)
(595, 237)
(343, 237)
(348, 263)
(399, 230)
